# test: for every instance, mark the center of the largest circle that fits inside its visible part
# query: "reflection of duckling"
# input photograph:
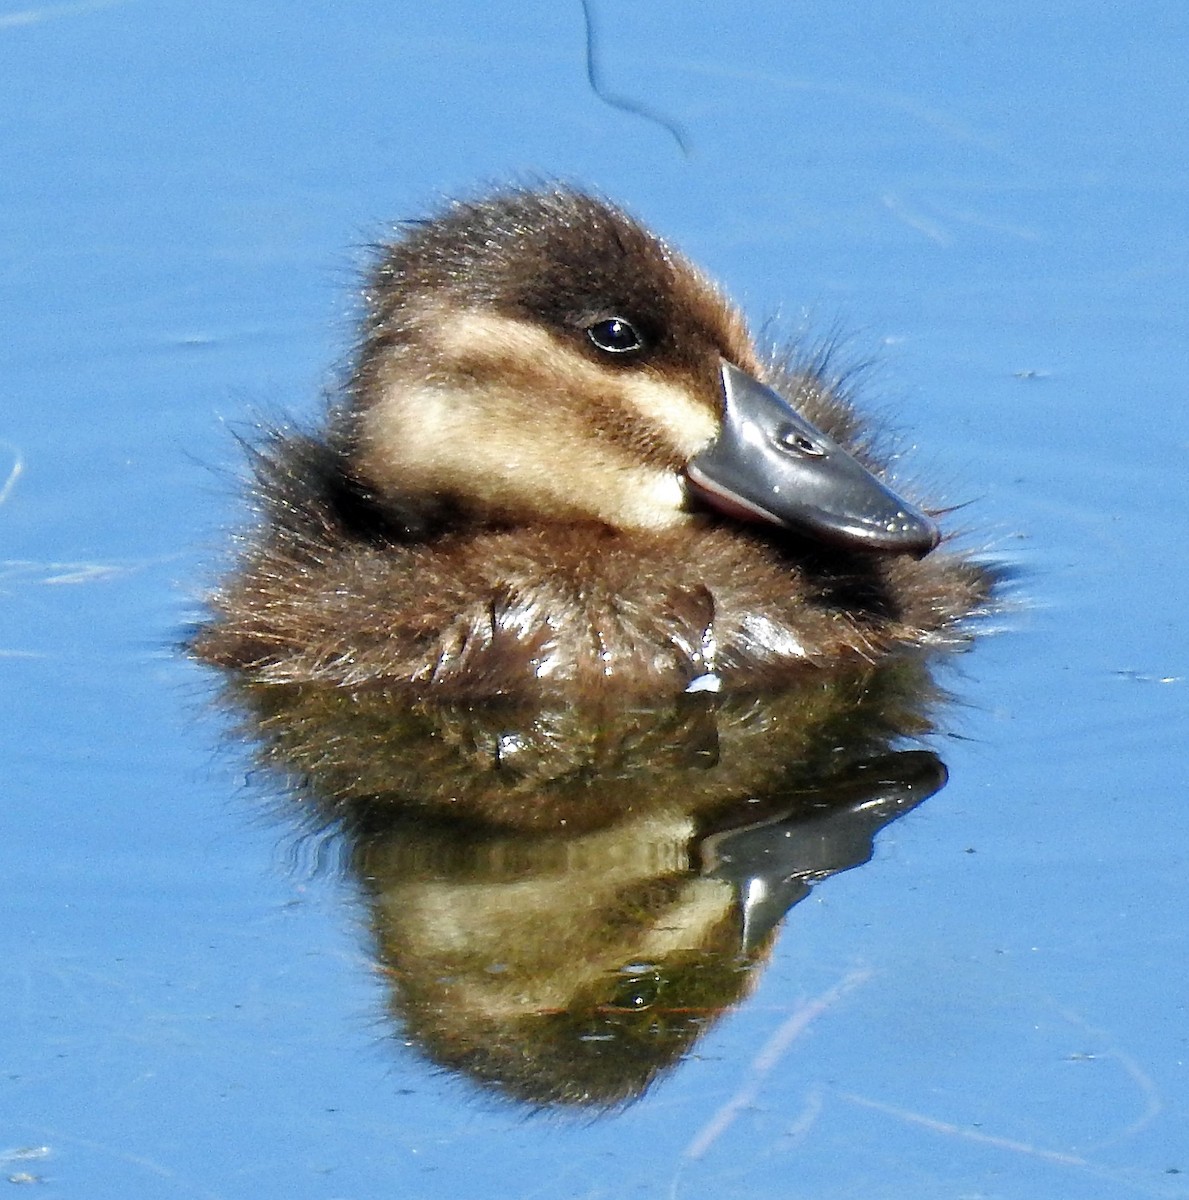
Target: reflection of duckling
(574, 970)
(556, 472)
(566, 897)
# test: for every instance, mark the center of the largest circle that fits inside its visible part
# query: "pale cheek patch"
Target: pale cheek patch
(689, 425)
(498, 452)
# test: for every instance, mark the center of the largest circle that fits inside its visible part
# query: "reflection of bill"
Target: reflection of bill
(772, 865)
(564, 900)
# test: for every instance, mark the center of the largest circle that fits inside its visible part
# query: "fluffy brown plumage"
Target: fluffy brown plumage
(498, 506)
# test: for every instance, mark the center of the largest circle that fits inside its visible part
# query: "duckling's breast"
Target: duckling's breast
(573, 611)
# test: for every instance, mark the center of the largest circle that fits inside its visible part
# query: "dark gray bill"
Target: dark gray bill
(770, 464)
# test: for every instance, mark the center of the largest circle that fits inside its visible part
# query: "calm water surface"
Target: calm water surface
(992, 1007)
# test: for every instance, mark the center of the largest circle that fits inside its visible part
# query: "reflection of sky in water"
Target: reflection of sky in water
(993, 1006)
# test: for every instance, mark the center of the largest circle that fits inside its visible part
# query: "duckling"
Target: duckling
(562, 468)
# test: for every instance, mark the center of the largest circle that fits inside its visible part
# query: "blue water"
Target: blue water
(993, 198)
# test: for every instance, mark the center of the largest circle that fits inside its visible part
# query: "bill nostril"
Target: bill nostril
(798, 443)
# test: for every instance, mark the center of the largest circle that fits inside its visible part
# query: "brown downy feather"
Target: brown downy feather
(351, 577)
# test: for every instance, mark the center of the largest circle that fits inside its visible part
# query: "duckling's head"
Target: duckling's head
(539, 356)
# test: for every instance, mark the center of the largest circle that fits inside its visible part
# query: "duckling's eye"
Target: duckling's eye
(615, 336)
